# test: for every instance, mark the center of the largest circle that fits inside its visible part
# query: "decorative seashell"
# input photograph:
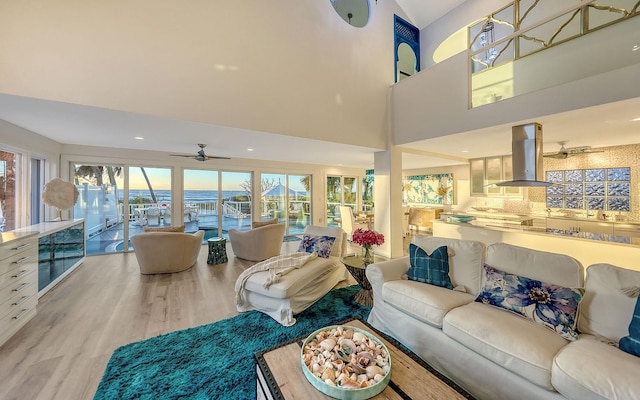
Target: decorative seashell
(358, 337)
(329, 382)
(362, 377)
(364, 358)
(373, 370)
(348, 346)
(328, 374)
(348, 334)
(328, 344)
(315, 367)
(350, 384)
(378, 377)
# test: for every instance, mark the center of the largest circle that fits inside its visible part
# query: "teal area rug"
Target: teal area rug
(214, 361)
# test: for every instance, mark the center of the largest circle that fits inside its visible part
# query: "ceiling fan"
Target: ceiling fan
(200, 155)
(571, 151)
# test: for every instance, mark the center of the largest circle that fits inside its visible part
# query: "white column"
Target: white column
(388, 201)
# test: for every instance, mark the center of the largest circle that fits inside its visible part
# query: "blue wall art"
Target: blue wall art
(428, 189)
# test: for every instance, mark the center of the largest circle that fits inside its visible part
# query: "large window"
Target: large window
(236, 201)
(149, 198)
(7, 191)
(341, 190)
(100, 203)
(201, 207)
(288, 198)
(37, 184)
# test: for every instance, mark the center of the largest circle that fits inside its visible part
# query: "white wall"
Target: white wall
(294, 68)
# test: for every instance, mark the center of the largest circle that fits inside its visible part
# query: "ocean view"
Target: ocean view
(190, 196)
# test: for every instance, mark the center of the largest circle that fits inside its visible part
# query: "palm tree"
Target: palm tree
(146, 178)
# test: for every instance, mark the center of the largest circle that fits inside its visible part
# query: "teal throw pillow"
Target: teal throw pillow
(320, 244)
(552, 306)
(631, 343)
(429, 268)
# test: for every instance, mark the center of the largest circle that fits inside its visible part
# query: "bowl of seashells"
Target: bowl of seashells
(346, 362)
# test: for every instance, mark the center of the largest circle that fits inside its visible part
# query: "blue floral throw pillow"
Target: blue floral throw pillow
(553, 306)
(429, 268)
(631, 343)
(320, 244)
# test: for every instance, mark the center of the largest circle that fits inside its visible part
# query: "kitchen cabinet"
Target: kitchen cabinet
(486, 172)
(18, 281)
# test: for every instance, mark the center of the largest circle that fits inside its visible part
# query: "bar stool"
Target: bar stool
(217, 250)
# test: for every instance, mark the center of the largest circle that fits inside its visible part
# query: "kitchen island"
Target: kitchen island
(588, 248)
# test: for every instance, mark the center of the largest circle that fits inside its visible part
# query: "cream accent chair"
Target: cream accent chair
(259, 243)
(166, 252)
(350, 223)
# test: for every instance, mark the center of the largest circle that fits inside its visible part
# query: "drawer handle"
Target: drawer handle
(20, 300)
(22, 314)
(21, 273)
(19, 288)
(20, 261)
(22, 246)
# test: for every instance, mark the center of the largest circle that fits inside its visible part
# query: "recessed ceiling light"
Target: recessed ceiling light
(465, 151)
(249, 149)
(636, 119)
(139, 138)
(636, 47)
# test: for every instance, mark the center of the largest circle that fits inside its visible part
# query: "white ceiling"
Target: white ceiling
(82, 125)
(424, 12)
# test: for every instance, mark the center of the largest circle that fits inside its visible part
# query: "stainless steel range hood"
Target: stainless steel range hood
(526, 151)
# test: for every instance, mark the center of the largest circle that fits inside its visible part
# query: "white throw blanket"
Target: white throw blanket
(277, 266)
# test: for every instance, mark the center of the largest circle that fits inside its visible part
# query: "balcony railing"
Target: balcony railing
(524, 28)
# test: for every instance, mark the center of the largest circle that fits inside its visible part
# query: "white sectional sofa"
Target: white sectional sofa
(497, 354)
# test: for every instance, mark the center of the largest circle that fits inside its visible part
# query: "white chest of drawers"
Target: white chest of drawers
(18, 281)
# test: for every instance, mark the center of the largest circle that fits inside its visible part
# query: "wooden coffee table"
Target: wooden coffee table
(280, 374)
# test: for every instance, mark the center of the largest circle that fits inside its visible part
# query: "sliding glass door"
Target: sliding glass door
(149, 198)
(287, 198)
(201, 208)
(100, 203)
(236, 201)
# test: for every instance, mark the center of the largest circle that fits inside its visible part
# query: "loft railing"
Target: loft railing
(526, 27)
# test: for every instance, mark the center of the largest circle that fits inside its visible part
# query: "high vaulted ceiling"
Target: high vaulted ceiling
(83, 125)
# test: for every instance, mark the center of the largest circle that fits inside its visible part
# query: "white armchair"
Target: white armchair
(166, 252)
(257, 244)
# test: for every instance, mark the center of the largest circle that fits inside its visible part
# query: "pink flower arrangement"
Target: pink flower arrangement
(367, 238)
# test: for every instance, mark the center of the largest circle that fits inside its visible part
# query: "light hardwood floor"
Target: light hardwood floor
(104, 304)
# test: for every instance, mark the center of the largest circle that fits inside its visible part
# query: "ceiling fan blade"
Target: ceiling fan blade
(559, 156)
(181, 155)
(219, 157)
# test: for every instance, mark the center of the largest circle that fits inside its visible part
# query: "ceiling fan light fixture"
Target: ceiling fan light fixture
(200, 155)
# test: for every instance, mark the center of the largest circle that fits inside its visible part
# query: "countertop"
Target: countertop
(497, 225)
(7, 237)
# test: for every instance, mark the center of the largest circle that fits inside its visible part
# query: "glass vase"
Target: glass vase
(367, 257)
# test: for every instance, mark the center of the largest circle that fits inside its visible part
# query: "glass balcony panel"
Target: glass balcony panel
(555, 31)
(608, 11)
(534, 11)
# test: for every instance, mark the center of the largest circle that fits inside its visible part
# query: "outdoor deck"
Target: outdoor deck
(111, 239)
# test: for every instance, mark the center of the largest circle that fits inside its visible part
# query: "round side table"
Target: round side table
(217, 250)
(356, 267)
